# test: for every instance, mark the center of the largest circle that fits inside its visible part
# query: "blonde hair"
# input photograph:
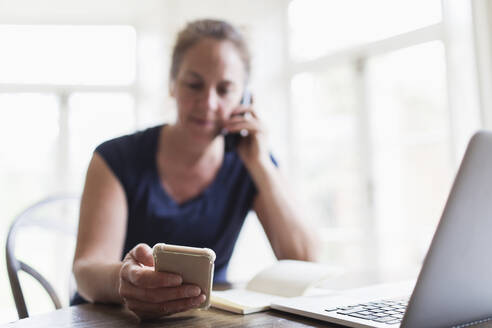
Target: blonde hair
(197, 30)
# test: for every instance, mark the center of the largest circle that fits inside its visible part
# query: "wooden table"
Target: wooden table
(102, 316)
(99, 315)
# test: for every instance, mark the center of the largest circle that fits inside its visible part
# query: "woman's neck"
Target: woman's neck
(175, 143)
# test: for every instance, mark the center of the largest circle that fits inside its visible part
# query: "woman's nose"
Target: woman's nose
(212, 100)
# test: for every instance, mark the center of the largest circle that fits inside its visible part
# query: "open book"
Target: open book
(286, 278)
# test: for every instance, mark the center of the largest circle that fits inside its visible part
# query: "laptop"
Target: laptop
(454, 287)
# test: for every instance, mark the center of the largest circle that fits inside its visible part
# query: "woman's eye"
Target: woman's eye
(194, 86)
(223, 92)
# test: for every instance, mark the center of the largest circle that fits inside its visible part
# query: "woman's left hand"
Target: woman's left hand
(253, 146)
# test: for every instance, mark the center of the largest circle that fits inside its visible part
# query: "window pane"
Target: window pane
(28, 152)
(326, 125)
(326, 130)
(322, 26)
(67, 54)
(28, 127)
(29, 131)
(28, 157)
(411, 149)
(94, 118)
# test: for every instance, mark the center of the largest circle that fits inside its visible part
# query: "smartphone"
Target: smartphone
(231, 140)
(194, 265)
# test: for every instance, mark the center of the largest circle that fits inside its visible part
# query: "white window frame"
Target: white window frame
(455, 31)
(63, 92)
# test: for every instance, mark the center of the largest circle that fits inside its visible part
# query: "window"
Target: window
(88, 55)
(326, 124)
(29, 132)
(321, 27)
(110, 114)
(411, 148)
(372, 127)
(63, 90)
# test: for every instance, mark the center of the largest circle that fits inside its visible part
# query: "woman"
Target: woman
(176, 184)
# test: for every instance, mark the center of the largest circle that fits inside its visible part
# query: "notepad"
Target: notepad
(284, 279)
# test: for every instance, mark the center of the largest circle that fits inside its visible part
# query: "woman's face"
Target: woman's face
(208, 87)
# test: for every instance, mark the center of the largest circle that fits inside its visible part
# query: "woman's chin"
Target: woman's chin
(205, 135)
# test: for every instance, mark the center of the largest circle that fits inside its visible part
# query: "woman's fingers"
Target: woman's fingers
(243, 119)
(165, 308)
(238, 125)
(138, 269)
(153, 294)
(243, 112)
(146, 277)
(158, 295)
(142, 253)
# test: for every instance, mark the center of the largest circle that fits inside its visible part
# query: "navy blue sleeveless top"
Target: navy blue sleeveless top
(212, 219)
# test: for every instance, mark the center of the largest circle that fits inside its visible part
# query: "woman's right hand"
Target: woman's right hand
(150, 294)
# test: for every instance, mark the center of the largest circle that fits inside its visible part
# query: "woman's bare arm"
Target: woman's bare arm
(275, 205)
(102, 227)
(101, 275)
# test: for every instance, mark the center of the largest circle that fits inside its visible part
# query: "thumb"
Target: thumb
(142, 253)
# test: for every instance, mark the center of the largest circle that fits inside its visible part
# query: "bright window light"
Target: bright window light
(409, 121)
(326, 125)
(28, 127)
(94, 118)
(65, 54)
(319, 27)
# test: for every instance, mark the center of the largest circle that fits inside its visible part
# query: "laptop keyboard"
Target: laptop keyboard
(385, 311)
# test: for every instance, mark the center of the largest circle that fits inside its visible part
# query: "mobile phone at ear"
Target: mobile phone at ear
(231, 140)
(194, 265)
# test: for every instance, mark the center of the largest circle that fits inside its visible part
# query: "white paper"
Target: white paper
(289, 278)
